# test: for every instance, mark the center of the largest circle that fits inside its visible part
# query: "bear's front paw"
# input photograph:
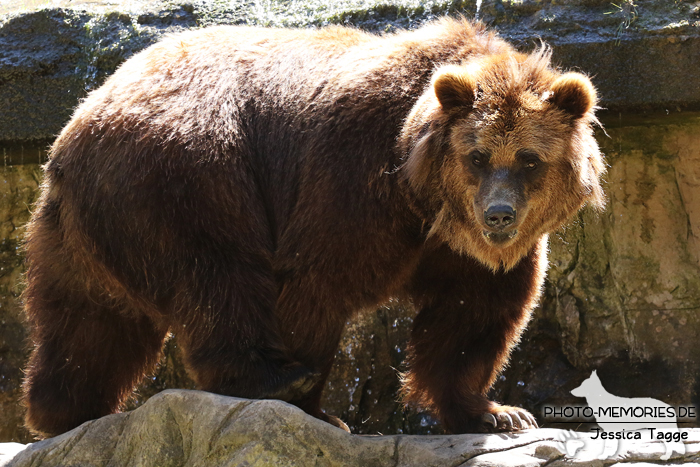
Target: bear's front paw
(507, 418)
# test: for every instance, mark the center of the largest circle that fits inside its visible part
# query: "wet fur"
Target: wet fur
(250, 189)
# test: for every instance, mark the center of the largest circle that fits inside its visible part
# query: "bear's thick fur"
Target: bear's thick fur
(250, 189)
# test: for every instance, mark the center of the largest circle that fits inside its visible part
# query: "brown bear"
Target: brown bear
(249, 189)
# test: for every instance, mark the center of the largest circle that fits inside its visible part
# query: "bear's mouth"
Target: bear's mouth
(499, 238)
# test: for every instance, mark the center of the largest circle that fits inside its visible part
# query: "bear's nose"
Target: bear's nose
(499, 217)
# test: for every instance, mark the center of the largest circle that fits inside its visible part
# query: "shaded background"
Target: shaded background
(622, 294)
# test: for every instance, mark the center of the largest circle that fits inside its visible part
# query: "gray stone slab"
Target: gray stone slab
(193, 428)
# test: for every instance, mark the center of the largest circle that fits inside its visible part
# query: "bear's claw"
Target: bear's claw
(506, 418)
(490, 419)
(302, 381)
(335, 421)
(531, 419)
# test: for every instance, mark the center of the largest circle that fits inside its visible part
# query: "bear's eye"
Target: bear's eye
(529, 160)
(532, 164)
(479, 159)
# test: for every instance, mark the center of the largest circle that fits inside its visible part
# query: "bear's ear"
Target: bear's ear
(454, 88)
(573, 93)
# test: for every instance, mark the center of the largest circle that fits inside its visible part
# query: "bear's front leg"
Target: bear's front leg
(469, 319)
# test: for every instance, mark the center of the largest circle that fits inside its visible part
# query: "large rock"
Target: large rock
(177, 428)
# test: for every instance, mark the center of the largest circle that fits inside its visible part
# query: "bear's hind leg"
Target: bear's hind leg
(90, 349)
(229, 334)
(88, 369)
(311, 328)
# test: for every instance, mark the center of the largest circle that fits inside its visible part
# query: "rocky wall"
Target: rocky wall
(18, 191)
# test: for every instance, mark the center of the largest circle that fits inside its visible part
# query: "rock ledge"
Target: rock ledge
(193, 428)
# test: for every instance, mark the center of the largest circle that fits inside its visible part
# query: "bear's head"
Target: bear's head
(499, 152)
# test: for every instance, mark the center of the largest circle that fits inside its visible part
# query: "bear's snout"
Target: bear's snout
(500, 200)
(499, 217)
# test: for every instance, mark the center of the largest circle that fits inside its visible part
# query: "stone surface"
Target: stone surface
(200, 429)
(49, 59)
(642, 54)
(639, 52)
